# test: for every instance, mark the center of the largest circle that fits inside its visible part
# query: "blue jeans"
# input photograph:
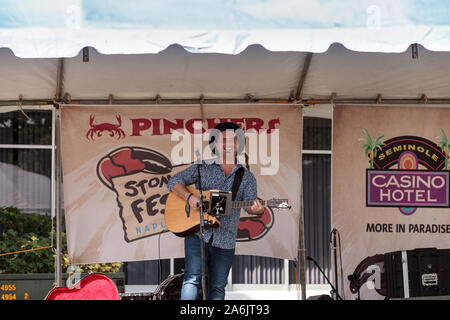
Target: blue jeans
(218, 263)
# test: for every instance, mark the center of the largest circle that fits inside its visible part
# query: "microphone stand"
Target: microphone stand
(323, 273)
(335, 259)
(201, 227)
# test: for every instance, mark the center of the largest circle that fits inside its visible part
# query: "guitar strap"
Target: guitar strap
(237, 182)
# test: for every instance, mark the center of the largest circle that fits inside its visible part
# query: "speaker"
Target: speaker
(417, 273)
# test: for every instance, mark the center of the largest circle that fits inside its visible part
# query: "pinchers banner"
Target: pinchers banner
(391, 188)
(117, 161)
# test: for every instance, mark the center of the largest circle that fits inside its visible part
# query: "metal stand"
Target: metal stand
(202, 220)
(58, 258)
(333, 232)
(334, 290)
(301, 254)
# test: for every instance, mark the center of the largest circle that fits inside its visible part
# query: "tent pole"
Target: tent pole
(57, 139)
(59, 79)
(58, 263)
(301, 256)
(301, 82)
(423, 100)
(301, 223)
(53, 185)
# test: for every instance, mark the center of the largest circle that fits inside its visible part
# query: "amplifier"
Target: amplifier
(417, 273)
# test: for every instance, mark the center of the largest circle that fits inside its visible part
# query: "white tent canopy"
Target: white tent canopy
(256, 74)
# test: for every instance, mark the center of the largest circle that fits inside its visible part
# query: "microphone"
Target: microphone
(353, 277)
(333, 233)
(309, 258)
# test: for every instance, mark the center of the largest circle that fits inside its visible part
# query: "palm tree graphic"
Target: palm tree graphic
(444, 144)
(370, 146)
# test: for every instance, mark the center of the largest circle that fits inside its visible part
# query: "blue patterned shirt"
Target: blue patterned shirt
(213, 177)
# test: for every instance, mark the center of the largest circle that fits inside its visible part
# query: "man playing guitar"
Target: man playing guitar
(220, 242)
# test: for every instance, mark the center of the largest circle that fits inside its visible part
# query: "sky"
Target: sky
(222, 14)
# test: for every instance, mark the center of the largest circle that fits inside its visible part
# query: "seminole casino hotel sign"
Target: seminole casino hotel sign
(408, 172)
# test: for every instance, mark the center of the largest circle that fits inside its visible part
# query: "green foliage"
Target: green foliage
(13, 218)
(94, 268)
(370, 146)
(445, 142)
(21, 231)
(39, 261)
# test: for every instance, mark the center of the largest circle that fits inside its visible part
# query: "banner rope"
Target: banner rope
(28, 250)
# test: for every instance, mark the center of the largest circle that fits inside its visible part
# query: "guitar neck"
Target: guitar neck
(244, 204)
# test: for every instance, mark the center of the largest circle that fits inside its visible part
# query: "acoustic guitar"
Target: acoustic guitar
(182, 224)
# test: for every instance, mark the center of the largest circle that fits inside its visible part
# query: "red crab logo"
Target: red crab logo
(113, 129)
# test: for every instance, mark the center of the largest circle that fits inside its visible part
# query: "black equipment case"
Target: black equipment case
(417, 273)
